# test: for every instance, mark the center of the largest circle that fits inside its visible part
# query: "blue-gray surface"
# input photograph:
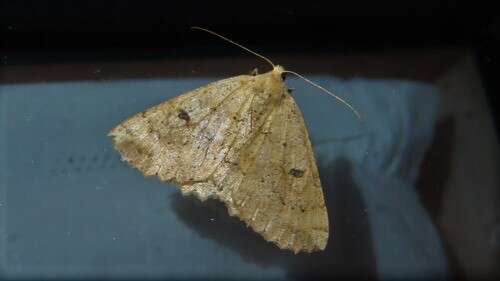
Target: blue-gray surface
(69, 208)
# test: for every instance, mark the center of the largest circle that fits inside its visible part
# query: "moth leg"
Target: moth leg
(254, 72)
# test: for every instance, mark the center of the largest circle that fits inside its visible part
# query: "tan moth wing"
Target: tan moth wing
(243, 141)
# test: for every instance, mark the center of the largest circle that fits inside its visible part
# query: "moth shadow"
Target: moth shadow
(211, 220)
(349, 252)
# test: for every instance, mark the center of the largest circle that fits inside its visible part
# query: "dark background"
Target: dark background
(285, 26)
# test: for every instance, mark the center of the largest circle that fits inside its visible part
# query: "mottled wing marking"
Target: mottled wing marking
(285, 209)
(256, 184)
(175, 136)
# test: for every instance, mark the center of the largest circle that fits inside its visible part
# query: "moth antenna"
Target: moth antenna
(326, 91)
(232, 42)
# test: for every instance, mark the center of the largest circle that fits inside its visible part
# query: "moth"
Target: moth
(240, 140)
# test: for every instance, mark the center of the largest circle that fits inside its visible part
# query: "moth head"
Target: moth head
(279, 71)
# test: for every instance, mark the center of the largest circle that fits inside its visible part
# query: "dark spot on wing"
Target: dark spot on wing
(184, 115)
(296, 173)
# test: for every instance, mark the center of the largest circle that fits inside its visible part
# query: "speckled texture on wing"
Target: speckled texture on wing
(240, 140)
